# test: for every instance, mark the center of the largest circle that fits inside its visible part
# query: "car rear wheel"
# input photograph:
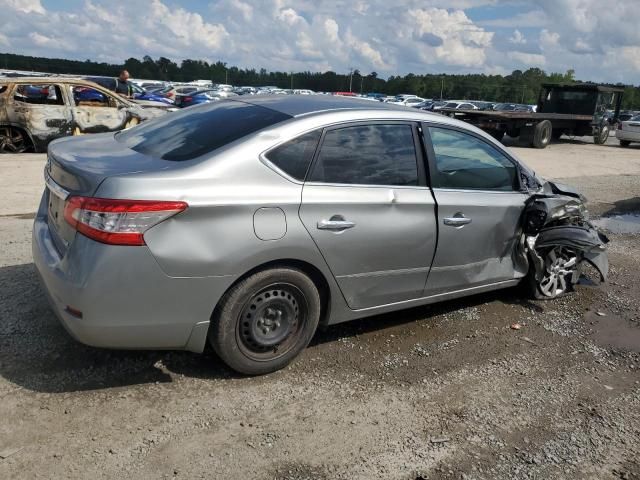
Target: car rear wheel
(265, 320)
(625, 143)
(13, 140)
(560, 264)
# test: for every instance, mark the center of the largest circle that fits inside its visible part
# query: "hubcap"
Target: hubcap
(560, 264)
(271, 321)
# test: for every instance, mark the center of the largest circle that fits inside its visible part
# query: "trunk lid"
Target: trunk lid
(76, 166)
(632, 126)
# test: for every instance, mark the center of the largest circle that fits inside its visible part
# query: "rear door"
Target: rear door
(368, 209)
(477, 190)
(96, 111)
(41, 109)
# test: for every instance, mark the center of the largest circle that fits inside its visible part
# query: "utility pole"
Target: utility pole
(523, 90)
(361, 84)
(226, 76)
(350, 78)
(441, 88)
(291, 80)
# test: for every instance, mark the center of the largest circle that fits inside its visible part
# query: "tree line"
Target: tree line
(517, 87)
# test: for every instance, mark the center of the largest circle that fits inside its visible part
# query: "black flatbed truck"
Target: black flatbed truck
(572, 109)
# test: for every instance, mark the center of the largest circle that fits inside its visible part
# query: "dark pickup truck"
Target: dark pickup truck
(572, 109)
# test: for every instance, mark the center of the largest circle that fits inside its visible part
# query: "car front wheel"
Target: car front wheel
(265, 320)
(560, 264)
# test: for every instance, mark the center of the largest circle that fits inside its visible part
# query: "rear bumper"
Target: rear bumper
(126, 300)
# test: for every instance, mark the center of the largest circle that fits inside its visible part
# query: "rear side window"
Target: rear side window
(294, 157)
(40, 94)
(367, 155)
(465, 162)
(198, 130)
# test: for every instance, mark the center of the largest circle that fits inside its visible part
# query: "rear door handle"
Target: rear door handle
(457, 221)
(335, 224)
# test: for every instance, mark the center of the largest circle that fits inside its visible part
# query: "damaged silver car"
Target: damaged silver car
(35, 111)
(248, 222)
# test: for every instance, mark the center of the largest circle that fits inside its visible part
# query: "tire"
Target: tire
(625, 143)
(542, 134)
(560, 263)
(263, 322)
(13, 140)
(602, 135)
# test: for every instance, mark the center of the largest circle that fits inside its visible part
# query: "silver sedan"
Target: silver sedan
(247, 223)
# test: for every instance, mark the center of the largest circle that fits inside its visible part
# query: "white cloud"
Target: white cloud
(389, 37)
(517, 38)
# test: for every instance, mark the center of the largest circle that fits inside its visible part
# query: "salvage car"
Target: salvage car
(35, 111)
(629, 131)
(248, 223)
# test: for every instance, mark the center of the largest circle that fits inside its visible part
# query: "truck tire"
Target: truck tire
(601, 135)
(542, 134)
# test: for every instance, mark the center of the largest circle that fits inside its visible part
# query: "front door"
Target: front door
(368, 209)
(96, 111)
(480, 204)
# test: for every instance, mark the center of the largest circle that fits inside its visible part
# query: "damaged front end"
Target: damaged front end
(559, 239)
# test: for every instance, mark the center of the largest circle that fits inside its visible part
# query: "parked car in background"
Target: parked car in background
(35, 111)
(411, 101)
(197, 97)
(249, 223)
(457, 105)
(627, 115)
(629, 131)
(139, 93)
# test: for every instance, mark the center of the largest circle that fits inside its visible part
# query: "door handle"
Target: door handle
(336, 223)
(458, 220)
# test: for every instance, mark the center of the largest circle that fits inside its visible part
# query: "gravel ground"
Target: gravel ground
(446, 391)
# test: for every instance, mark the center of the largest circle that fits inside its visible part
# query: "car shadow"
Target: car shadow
(37, 354)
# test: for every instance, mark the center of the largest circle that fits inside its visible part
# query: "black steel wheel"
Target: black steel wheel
(263, 322)
(542, 134)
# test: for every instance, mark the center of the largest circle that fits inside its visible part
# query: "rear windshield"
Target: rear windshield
(198, 130)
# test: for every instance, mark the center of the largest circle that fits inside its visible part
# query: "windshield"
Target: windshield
(198, 130)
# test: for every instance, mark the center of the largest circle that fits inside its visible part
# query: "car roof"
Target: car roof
(298, 105)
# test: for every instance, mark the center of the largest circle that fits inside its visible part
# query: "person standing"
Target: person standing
(123, 87)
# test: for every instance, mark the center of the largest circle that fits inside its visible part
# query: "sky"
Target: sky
(599, 40)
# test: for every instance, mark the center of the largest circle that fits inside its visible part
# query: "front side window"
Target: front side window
(294, 156)
(465, 162)
(41, 94)
(89, 97)
(367, 155)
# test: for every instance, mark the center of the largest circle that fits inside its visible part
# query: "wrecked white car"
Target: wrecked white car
(35, 111)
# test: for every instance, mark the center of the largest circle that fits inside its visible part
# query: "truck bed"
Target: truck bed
(518, 115)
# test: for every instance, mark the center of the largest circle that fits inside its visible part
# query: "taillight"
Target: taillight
(620, 126)
(187, 99)
(117, 222)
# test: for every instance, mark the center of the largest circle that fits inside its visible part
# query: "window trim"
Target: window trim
(420, 160)
(431, 158)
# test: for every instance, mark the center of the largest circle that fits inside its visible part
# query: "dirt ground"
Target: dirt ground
(446, 391)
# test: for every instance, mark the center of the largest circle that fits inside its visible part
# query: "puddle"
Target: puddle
(626, 223)
(611, 331)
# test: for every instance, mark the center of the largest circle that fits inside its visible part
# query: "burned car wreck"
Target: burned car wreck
(35, 111)
(558, 239)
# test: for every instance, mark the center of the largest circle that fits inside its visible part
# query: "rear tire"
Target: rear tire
(13, 140)
(264, 321)
(625, 143)
(602, 135)
(542, 134)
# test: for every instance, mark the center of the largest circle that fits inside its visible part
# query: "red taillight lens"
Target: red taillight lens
(187, 99)
(620, 126)
(117, 222)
